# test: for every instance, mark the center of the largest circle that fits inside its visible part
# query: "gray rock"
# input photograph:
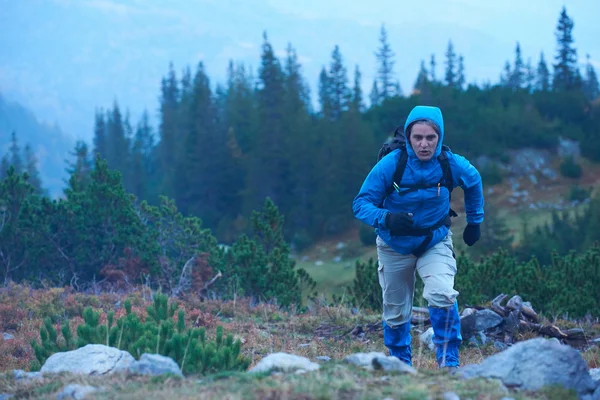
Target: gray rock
(323, 358)
(155, 364)
(7, 336)
(23, 376)
(363, 359)
(427, 339)
(450, 396)
(595, 374)
(75, 391)
(391, 363)
(535, 363)
(500, 346)
(93, 359)
(284, 362)
(486, 319)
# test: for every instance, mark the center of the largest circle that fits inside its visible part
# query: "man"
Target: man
(412, 225)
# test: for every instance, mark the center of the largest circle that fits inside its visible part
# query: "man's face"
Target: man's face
(423, 140)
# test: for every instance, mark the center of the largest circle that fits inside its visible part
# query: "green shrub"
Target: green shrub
(160, 333)
(570, 169)
(577, 193)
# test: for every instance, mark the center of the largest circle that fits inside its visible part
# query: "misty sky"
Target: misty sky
(64, 58)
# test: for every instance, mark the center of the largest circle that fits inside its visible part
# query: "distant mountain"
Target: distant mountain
(49, 143)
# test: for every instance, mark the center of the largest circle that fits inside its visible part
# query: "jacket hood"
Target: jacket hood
(433, 114)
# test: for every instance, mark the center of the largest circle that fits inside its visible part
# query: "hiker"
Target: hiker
(411, 214)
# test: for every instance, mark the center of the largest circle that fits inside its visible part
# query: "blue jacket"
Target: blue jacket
(426, 205)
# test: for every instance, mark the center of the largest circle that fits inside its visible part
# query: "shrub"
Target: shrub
(570, 169)
(159, 333)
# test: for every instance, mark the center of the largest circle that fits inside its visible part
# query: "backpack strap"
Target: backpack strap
(400, 167)
(447, 176)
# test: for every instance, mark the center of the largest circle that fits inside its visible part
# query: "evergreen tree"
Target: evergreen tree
(517, 77)
(357, 95)
(543, 75)
(32, 171)
(565, 68)
(374, 95)
(385, 69)
(450, 74)
(325, 90)
(16, 159)
(118, 146)
(269, 169)
(506, 76)
(80, 169)
(141, 159)
(100, 140)
(432, 65)
(591, 87)
(338, 79)
(169, 132)
(4, 166)
(422, 78)
(460, 74)
(529, 76)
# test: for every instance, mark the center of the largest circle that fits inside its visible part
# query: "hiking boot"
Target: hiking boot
(452, 370)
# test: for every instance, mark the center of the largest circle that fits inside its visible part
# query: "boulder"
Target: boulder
(75, 391)
(93, 359)
(535, 363)
(284, 362)
(155, 364)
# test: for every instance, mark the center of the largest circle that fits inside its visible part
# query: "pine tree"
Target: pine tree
(422, 78)
(141, 158)
(79, 170)
(460, 75)
(357, 95)
(32, 170)
(325, 100)
(16, 159)
(432, 65)
(118, 146)
(4, 166)
(543, 75)
(338, 78)
(100, 140)
(591, 86)
(169, 132)
(374, 95)
(506, 76)
(529, 76)
(385, 69)
(517, 77)
(565, 68)
(450, 74)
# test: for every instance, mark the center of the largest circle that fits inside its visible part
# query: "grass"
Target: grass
(334, 380)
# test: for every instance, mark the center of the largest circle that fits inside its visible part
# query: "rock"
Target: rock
(427, 339)
(23, 376)
(93, 359)
(304, 345)
(337, 259)
(318, 263)
(363, 359)
(7, 336)
(568, 148)
(595, 374)
(468, 311)
(155, 364)
(340, 246)
(75, 391)
(323, 358)
(533, 364)
(479, 339)
(450, 396)
(486, 319)
(284, 362)
(390, 363)
(500, 346)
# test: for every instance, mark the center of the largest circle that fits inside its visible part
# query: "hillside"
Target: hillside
(331, 262)
(50, 145)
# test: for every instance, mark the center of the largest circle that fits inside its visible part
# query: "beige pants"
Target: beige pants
(397, 273)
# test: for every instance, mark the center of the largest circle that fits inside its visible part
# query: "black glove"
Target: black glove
(398, 223)
(471, 234)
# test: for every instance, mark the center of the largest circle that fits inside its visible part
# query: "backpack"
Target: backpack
(399, 142)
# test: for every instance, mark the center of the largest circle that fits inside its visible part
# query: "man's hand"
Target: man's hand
(399, 223)
(471, 234)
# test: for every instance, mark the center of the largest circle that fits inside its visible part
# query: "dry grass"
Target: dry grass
(322, 331)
